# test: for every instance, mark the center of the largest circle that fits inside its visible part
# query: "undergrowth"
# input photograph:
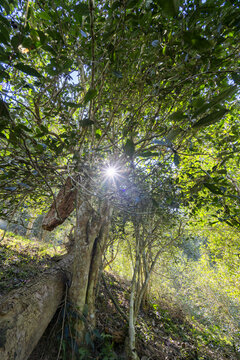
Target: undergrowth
(21, 259)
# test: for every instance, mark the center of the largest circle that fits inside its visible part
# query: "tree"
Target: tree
(151, 240)
(87, 85)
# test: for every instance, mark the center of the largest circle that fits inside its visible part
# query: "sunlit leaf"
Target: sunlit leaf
(218, 99)
(210, 119)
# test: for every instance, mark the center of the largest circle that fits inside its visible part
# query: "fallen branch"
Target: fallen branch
(113, 300)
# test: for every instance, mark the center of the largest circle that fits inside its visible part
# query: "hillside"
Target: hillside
(163, 332)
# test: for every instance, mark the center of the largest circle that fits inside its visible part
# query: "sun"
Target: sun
(111, 172)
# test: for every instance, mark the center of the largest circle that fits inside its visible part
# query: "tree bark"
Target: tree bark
(131, 341)
(62, 206)
(25, 313)
(91, 233)
(96, 262)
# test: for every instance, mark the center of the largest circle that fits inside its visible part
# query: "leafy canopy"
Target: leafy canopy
(83, 83)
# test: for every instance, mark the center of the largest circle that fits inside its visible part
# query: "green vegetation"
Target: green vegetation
(22, 259)
(196, 279)
(122, 117)
(191, 309)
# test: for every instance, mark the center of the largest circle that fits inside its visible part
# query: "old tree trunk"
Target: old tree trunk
(91, 232)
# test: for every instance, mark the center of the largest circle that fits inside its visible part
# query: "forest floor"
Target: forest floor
(163, 332)
(22, 259)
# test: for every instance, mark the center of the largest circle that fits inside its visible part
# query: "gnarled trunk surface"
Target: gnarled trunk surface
(90, 239)
(25, 313)
(62, 207)
(91, 232)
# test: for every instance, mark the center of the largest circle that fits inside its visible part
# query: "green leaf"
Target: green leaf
(4, 56)
(131, 4)
(4, 112)
(73, 105)
(169, 7)
(2, 135)
(5, 5)
(5, 21)
(81, 9)
(148, 153)
(24, 127)
(44, 129)
(4, 34)
(118, 74)
(222, 171)
(129, 147)
(4, 75)
(91, 94)
(218, 99)
(196, 41)
(116, 5)
(155, 43)
(49, 49)
(42, 37)
(213, 188)
(98, 134)
(27, 42)
(178, 115)
(231, 90)
(83, 33)
(236, 77)
(210, 119)
(28, 70)
(67, 64)
(44, 15)
(173, 134)
(86, 122)
(176, 159)
(16, 40)
(3, 123)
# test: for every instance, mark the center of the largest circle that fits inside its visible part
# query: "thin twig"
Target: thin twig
(63, 322)
(113, 300)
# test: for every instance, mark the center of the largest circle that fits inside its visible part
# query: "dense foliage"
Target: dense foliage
(130, 79)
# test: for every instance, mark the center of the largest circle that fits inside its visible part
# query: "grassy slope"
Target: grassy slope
(162, 332)
(22, 259)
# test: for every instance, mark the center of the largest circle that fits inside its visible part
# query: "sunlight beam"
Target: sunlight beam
(111, 172)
